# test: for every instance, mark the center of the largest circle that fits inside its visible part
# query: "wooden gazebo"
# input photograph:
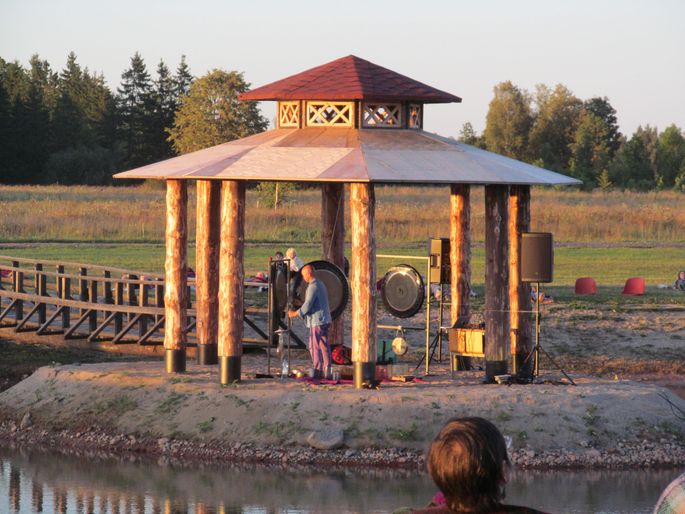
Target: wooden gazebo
(348, 121)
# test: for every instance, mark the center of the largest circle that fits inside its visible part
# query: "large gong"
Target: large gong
(336, 285)
(403, 291)
(279, 292)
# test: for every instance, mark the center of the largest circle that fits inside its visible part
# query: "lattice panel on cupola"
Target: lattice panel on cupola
(414, 116)
(382, 115)
(289, 114)
(330, 114)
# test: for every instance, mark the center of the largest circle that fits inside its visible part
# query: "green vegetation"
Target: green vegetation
(556, 130)
(116, 406)
(172, 403)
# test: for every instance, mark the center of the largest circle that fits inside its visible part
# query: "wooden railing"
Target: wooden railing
(97, 302)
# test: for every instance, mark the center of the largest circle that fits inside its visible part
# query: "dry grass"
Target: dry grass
(404, 215)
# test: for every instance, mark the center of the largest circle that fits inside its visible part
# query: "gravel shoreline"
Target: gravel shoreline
(97, 440)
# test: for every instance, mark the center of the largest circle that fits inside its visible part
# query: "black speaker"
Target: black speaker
(537, 257)
(439, 251)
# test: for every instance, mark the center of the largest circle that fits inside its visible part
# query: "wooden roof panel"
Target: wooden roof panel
(350, 155)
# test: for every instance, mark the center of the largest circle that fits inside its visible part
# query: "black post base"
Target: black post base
(524, 368)
(175, 361)
(364, 372)
(493, 368)
(207, 354)
(230, 370)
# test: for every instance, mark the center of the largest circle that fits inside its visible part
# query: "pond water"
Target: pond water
(33, 482)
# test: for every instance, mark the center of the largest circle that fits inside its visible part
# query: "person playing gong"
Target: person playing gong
(317, 317)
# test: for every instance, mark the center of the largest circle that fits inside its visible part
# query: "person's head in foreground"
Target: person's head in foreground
(468, 462)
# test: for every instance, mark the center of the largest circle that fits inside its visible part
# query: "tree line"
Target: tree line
(554, 129)
(69, 127)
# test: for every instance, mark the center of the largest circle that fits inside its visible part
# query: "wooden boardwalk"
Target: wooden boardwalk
(99, 303)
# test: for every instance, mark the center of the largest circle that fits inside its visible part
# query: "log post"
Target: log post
(143, 302)
(66, 295)
(460, 259)
(175, 272)
(333, 241)
(18, 287)
(231, 280)
(496, 281)
(41, 290)
(207, 239)
(363, 282)
(118, 300)
(93, 300)
(519, 292)
(108, 287)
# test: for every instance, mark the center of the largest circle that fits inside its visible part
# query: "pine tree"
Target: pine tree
(165, 105)
(183, 79)
(136, 105)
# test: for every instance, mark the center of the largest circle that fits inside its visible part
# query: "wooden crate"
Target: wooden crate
(469, 342)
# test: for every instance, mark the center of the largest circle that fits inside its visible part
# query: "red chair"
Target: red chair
(634, 286)
(586, 285)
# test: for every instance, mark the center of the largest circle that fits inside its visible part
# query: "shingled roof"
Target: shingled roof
(350, 78)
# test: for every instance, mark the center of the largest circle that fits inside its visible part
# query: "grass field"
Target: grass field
(610, 266)
(124, 227)
(405, 216)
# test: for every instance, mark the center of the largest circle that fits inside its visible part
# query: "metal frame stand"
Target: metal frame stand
(427, 326)
(538, 347)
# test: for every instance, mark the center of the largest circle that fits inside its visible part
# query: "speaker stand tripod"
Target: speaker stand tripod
(538, 347)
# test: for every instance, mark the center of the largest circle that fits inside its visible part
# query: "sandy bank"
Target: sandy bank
(599, 422)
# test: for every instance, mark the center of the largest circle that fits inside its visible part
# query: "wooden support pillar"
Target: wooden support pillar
(497, 335)
(460, 259)
(231, 280)
(363, 282)
(207, 239)
(175, 273)
(333, 241)
(519, 292)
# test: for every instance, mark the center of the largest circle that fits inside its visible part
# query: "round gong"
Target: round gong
(334, 280)
(279, 293)
(403, 291)
(280, 287)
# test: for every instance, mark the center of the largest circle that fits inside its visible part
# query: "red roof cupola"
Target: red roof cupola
(350, 92)
(350, 78)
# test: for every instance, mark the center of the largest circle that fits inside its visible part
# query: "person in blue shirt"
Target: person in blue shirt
(317, 317)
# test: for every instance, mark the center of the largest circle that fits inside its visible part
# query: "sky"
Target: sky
(632, 52)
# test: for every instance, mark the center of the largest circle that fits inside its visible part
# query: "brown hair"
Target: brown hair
(466, 462)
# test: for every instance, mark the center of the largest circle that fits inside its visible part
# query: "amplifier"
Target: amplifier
(439, 251)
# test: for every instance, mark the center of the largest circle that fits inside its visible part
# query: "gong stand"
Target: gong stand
(274, 265)
(427, 327)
